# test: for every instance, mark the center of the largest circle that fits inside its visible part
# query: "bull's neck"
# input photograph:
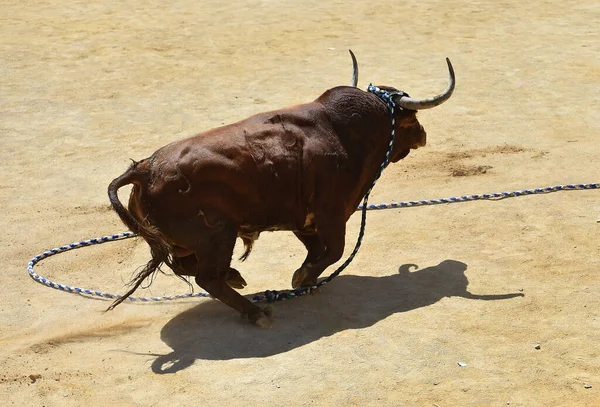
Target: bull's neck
(362, 122)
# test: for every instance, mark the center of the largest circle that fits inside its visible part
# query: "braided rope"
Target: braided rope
(476, 197)
(274, 295)
(392, 205)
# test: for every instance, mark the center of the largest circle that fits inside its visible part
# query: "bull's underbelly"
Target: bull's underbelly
(246, 230)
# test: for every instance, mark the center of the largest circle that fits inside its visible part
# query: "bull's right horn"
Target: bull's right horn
(354, 80)
(420, 104)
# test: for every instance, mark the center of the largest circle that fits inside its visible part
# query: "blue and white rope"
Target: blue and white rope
(477, 197)
(274, 295)
(392, 205)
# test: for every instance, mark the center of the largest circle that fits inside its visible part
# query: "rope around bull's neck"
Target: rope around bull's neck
(273, 295)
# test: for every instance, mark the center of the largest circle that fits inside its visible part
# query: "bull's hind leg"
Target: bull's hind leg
(188, 266)
(235, 279)
(327, 248)
(213, 275)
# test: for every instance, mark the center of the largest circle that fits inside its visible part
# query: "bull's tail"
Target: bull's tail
(160, 250)
(133, 175)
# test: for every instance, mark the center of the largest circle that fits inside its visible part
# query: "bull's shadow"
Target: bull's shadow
(208, 331)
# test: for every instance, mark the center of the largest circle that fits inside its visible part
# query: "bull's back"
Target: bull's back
(251, 172)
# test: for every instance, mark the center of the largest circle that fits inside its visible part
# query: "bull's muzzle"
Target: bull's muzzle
(422, 140)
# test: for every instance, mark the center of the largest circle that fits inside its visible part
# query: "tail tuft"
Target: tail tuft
(248, 244)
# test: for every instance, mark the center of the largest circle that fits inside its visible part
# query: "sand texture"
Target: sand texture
(85, 86)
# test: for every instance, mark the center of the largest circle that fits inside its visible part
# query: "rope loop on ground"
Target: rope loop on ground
(274, 295)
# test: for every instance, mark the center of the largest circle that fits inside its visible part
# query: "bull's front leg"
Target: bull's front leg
(325, 247)
(188, 266)
(315, 249)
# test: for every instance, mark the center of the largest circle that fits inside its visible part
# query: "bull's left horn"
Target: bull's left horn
(420, 104)
(354, 80)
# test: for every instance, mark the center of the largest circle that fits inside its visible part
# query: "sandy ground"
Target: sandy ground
(84, 86)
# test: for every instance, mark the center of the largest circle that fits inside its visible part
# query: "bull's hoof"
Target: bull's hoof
(262, 318)
(299, 276)
(301, 279)
(235, 279)
(314, 290)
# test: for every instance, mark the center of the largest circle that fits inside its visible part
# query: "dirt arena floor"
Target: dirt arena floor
(510, 288)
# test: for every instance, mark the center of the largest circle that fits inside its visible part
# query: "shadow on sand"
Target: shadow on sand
(208, 331)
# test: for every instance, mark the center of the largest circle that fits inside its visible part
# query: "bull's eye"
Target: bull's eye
(409, 121)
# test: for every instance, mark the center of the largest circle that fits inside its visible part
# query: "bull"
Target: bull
(303, 169)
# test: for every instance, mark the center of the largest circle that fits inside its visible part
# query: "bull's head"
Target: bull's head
(408, 127)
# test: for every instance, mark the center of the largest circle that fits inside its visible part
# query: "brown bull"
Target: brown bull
(304, 169)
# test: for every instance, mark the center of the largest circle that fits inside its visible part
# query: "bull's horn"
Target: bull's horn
(420, 104)
(354, 80)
